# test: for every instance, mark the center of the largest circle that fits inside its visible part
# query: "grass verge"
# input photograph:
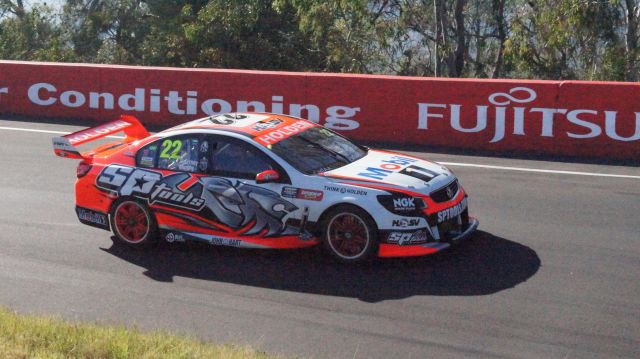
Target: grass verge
(28, 336)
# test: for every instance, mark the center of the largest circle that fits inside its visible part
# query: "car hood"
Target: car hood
(396, 170)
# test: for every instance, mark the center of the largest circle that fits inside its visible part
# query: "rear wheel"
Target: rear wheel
(349, 234)
(133, 224)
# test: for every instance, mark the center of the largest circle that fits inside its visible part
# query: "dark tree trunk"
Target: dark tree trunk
(632, 40)
(498, 10)
(461, 46)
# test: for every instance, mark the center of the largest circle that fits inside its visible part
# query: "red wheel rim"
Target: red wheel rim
(348, 235)
(132, 222)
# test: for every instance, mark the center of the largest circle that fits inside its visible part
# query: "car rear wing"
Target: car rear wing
(65, 146)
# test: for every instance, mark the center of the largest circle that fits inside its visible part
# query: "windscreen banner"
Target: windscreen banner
(558, 118)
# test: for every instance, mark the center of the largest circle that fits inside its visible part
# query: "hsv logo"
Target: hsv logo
(387, 167)
(405, 222)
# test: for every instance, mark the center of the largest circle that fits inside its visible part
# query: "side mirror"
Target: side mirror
(267, 176)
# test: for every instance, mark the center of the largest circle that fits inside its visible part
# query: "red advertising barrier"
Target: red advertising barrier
(571, 118)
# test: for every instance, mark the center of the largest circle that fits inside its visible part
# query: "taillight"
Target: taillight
(83, 169)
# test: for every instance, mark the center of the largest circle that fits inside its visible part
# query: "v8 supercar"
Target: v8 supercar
(264, 181)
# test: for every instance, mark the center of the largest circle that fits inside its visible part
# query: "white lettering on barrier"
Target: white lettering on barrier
(547, 116)
(340, 118)
(72, 99)
(34, 94)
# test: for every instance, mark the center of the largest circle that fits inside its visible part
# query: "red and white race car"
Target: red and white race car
(264, 181)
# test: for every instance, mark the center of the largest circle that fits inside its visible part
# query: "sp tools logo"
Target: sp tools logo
(151, 185)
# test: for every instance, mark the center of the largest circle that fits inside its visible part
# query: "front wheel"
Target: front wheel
(133, 224)
(349, 234)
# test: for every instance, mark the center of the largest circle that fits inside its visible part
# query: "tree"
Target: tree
(107, 31)
(567, 39)
(350, 36)
(30, 34)
(246, 34)
(549, 39)
(630, 10)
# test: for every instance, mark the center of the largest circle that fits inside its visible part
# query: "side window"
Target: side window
(146, 156)
(235, 158)
(187, 153)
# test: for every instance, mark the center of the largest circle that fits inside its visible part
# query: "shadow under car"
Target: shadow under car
(483, 264)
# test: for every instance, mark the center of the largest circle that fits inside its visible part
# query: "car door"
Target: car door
(238, 201)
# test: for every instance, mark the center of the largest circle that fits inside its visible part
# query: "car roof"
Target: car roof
(265, 128)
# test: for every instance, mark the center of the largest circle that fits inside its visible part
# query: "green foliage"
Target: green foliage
(106, 31)
(244, 34)
(548, 39)
(33, 36)
(558, 39)
(348, 34)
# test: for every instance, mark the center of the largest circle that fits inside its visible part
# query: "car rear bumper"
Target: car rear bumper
(395, 250)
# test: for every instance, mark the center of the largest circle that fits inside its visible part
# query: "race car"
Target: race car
(260, 180)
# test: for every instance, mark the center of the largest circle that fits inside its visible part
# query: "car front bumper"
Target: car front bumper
(396, 250)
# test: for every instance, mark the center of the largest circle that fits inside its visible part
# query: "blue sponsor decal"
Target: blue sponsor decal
(387, 167)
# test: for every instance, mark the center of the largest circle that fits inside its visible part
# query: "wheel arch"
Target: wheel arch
(119, 199)
(323, 216)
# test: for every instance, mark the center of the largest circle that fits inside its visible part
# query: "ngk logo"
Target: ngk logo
(405, 204)
(508, 107)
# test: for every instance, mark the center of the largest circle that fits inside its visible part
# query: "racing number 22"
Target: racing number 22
(171, 149)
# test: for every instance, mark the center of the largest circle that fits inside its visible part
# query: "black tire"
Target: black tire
(349, 234)
(133, 224)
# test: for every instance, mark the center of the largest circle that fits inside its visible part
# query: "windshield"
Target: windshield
(318, 150)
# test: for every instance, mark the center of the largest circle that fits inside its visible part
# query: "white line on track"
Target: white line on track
(454, 164)
(522, 169)
(45, 131)
(32, 130)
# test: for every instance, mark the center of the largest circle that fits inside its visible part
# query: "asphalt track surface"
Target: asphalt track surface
(553, 273)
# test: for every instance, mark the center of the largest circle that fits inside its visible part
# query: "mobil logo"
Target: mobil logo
(386, 167)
